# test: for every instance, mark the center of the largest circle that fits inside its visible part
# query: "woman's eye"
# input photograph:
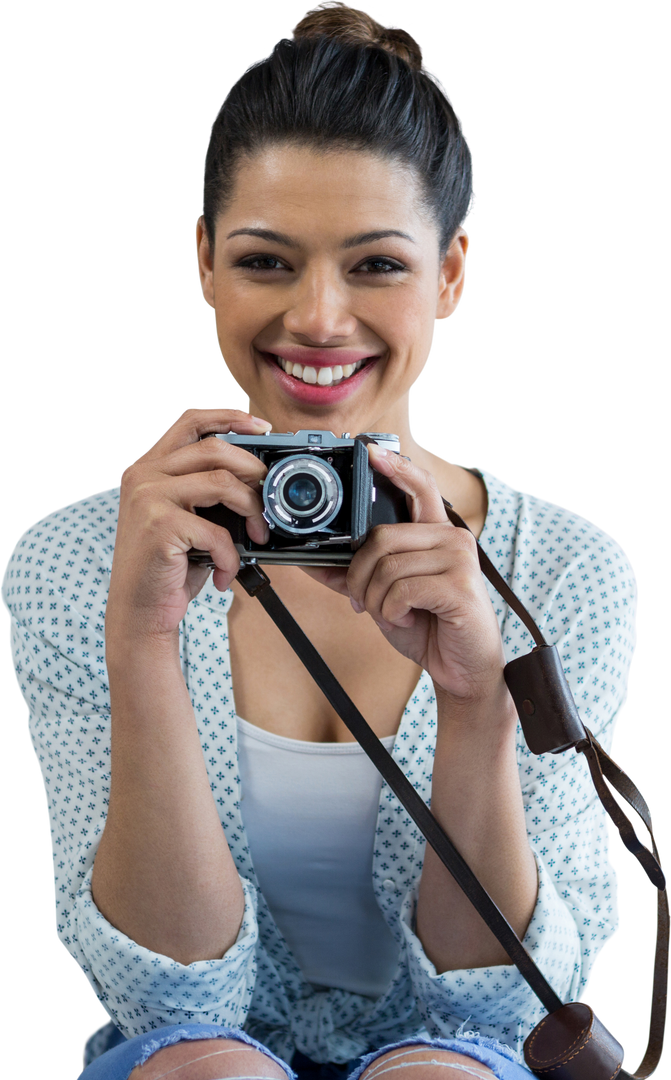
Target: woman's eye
(390, 266)
(250, 264)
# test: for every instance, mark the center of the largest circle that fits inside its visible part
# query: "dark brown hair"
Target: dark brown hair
(345, 82)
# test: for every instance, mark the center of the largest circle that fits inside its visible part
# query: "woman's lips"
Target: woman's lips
(310, 394)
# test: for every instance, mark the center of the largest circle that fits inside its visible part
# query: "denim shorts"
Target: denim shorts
(119, 1062)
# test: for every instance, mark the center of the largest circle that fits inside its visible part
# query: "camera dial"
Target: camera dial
(301, 494)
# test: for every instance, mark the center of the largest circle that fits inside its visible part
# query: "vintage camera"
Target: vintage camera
(321, 498)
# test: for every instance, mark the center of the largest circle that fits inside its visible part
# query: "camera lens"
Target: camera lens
(303, 494)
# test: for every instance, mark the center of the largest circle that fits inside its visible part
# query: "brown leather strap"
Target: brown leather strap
(597, 1051)
(256, 583)
(597, 758)
(602, 768)
(500, 584)
(551, 1048)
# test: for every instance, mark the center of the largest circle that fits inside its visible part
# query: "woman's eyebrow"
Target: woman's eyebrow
(353, 241)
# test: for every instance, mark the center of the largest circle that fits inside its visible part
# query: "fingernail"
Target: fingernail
(357, 607)
(259, 420)
(381, 450)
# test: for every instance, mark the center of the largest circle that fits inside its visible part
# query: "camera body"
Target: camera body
(321, 498)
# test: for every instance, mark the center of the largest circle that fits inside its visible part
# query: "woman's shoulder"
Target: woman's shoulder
(576, 582)
(530, 538)
(70, 549)
(579, 586)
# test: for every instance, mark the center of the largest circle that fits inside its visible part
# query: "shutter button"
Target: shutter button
(389, 884)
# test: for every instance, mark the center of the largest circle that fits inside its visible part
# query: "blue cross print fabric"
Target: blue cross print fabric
(579, 587)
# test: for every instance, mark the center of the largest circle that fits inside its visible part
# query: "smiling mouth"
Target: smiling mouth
(320, 376)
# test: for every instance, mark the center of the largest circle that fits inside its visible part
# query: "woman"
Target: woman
(337, 182)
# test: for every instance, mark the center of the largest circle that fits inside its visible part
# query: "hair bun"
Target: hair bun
(335, 20)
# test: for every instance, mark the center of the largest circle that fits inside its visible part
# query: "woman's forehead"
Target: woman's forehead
(297, 181)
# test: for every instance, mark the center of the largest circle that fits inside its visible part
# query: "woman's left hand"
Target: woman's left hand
(421, 583)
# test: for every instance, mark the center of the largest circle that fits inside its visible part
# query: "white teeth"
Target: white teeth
(323, 376)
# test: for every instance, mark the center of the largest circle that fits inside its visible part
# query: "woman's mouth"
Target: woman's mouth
(319, 376)
(319, 384)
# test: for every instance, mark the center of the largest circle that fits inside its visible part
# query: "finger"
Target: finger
(403, 567)
(426, 504)
(388, 540)
(407, 595)
(210, 487)
(213, 454)
(334, 577)
(198, 420)
(398, 612)
(201, 418)
(169, 441)
(197, 532)
(232, 420)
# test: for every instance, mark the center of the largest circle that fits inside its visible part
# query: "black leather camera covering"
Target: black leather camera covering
(375, 500)
(372, 498)
(228, 519)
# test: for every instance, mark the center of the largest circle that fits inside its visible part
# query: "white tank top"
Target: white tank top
(310, 812)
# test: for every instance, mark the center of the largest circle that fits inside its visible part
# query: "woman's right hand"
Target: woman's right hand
(152, 579)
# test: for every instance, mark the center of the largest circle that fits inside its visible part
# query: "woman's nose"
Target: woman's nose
(320, 310)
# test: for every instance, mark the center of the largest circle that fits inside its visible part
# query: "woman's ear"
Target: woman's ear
(203, 261)
(453, 277)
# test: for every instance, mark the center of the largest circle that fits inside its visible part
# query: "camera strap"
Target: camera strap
(570, 1043)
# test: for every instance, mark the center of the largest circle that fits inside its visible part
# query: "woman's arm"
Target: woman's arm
(477, 798)
(425, 590)
(163, 874)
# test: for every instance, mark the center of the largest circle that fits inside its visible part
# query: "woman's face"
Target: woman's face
(326, 280)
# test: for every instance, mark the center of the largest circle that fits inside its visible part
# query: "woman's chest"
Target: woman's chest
(275, 692)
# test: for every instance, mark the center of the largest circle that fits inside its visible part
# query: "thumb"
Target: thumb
(334, 577)
(424, 498)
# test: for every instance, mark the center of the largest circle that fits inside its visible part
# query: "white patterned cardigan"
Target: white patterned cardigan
(580, 589)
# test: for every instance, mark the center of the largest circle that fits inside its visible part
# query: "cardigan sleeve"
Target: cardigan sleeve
(580, 587)
(56, 590)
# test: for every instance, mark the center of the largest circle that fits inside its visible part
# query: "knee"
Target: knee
(209, 1059)
(423, 1062)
